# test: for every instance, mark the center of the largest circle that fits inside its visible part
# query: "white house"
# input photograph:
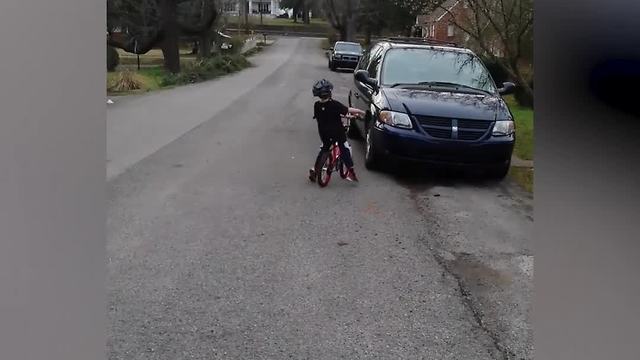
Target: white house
(266, 7)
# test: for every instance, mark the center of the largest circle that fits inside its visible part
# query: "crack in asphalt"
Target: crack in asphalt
(467, 299)
(465, 294)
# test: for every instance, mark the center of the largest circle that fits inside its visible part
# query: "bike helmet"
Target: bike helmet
(322, 88)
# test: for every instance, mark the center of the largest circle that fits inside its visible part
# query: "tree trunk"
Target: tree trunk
(246, 15)
(367, 36)
(350, 28)
(205, 46)
(169, 45)
(305, 13)
(523, 93)
(294, 14)
(171, 54)
(343, 33)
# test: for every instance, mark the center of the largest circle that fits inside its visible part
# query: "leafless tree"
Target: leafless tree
(146, 24)
(503, 24)
(343, 16)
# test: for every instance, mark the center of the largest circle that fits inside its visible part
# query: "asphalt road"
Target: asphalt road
(220, 248)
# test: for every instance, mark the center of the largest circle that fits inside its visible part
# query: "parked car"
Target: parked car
(344, 55)
(431, 104)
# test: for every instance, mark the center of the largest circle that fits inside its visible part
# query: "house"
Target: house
(266, 7)
(440, 25)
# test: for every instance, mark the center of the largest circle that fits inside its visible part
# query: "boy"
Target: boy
(328, 113)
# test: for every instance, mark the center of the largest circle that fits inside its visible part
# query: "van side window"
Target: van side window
(364, 60)
(374, 61)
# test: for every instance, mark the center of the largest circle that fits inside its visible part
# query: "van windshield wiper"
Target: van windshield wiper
(445, 83)
(441, 83)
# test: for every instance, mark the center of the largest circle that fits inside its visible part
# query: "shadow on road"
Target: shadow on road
(344, 71)
(423, 178)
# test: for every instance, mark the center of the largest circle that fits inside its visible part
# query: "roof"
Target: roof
(440, 11)
(422, 42)
(425, 45)
(433, 47)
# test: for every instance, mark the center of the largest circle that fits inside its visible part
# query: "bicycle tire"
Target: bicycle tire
(324, 169)
(342, 169)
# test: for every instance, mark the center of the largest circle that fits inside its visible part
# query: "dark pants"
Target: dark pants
(345, 151)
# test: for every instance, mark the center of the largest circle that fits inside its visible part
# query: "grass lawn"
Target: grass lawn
(152, 58)
(269, 20)
(524, 128)
(524, 143)
(149, 77)
(523, 177)
(153, 76)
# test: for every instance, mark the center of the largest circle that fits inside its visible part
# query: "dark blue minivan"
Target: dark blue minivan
(433, 104)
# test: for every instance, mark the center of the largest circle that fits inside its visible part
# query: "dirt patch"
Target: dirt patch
(475, 273)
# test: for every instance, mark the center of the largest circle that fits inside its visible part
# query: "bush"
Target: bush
(236, 42)
(332, 37)
(126, 81)
(205, 69)
(113, 59)
(497, 70)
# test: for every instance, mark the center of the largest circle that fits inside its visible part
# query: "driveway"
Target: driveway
(220, 248)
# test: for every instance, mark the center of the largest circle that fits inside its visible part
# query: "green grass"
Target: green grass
(270, 21)
(523, 177)
(524, 129)
(150, 78)
(156, 77)
(523, 117)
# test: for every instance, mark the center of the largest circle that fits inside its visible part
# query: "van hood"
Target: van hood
(447, 104)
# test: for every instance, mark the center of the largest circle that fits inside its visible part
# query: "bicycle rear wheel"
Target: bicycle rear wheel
(342, 169)
(324, 169)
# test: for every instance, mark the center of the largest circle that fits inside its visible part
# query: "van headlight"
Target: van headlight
(396, 119)
(504, 128)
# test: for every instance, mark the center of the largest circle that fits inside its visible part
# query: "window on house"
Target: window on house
(264, 8)
(229, 6)
(433, 31)
(450, 30)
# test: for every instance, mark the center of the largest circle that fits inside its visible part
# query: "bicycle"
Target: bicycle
(331, 160)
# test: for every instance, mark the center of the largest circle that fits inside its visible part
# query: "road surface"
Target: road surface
(220, 248)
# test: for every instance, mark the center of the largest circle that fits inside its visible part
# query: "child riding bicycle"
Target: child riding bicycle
(329, 113)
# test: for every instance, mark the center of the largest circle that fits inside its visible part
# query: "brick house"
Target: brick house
(440, 25)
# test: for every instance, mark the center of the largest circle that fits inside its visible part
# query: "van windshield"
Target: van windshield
(420, 66)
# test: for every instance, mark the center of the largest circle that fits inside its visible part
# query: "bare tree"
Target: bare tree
(503, 24)
(158, 23)
(343, 16)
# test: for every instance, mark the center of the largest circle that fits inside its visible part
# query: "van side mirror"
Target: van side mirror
(507, 88)
(363, 77)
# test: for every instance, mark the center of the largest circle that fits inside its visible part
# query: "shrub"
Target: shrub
(497, 70)
(236, 42)
(113, 59)
(332, 37)
(205, 69)
(126, 81)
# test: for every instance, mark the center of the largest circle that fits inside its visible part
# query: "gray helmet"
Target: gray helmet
(322, 88)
